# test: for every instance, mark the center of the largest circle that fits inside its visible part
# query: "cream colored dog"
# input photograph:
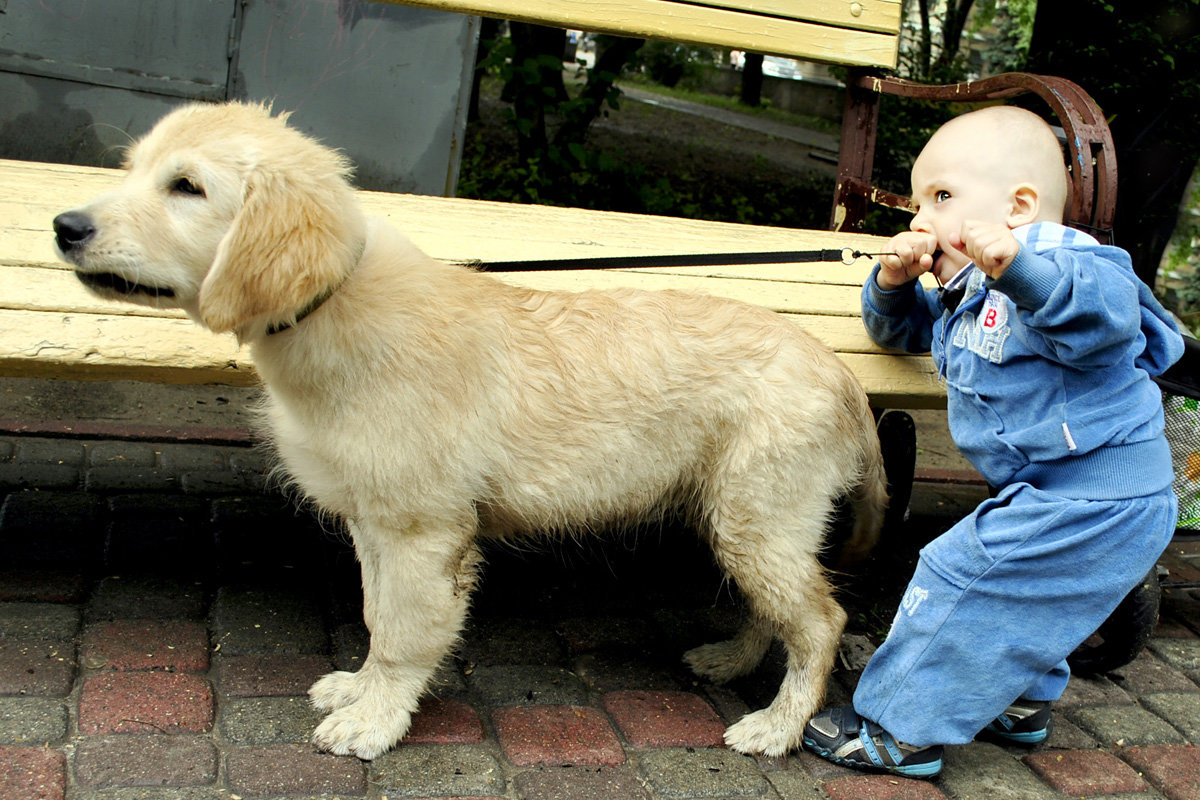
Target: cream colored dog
(427, 404)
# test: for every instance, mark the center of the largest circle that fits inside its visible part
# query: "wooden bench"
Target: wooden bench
(49, 326)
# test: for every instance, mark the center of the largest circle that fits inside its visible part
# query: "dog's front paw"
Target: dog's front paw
(362, 731)
(765, 732)
(336, 691)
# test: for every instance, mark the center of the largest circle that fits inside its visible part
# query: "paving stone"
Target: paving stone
(32, 720)
(557, 736)
(1091, 692)
(267, 622)
(38, 621)
(36, 667)
(491, 641)
(579, 783)
(115, 761)
(43, 585)
(1181, 709)
(292, 770)
(445, 721)
(881, 787)
(1172, 769)
(270, 676)
(437, 771)
(610, 671)
(145, 702)
(683, 773)
(589, 634)
(52, 528)
(159, 793)
(146, 597)
(1182, 654)
(129, 478)
(169, 645)
(132, 454)
(68, 452)
(981, 771)
(40, 477)
(351, 643)
(181, 458)
(665, 719)
(1085, 772)
(1066, 735)
(32, 773)
(268, 720)
(796, 784)
(205, 483)
(1125, 726)
(509, 685)
(180, 530)
(1148, 674)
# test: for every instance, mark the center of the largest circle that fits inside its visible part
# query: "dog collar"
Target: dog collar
(317, 302)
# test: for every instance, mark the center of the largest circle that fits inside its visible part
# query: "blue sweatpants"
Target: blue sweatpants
(999, 601)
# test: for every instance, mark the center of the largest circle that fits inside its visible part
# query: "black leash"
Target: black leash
(846, 255)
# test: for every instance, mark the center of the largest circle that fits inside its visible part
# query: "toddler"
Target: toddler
(1046, 341)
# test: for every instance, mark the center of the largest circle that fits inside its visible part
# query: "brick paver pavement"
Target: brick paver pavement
(162, 615)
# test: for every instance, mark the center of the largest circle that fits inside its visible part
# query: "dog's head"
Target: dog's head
(225, 212)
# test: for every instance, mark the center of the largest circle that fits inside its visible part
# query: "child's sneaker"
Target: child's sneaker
(841, 736)
(1024, 722)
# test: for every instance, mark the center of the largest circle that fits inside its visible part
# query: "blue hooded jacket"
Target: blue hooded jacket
(1047, 369)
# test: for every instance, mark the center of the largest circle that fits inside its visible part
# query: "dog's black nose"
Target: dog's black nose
(72, 229)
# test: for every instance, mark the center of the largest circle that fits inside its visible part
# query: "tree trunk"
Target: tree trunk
(1141, 63)
(752, 80)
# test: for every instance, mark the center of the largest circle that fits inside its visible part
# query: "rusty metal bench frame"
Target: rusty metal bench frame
(1092, 157)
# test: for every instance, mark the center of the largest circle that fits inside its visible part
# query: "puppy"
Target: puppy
(428, 404)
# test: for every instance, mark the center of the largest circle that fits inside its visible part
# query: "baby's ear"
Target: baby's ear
(1024, 206)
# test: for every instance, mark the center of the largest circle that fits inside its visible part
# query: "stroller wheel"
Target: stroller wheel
(1124, 634)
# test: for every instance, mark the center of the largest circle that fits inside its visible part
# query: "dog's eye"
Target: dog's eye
(184, 185)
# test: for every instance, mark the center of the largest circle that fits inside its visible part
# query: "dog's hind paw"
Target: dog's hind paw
(761, 733)
(720, 662)
(362, 731)
(335, 691)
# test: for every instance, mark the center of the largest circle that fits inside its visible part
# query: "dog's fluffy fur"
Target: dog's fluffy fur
(427, 404)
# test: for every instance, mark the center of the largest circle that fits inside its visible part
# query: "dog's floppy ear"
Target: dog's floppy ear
(296, 237)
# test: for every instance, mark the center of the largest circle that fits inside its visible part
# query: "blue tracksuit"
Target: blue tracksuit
(1049, 396)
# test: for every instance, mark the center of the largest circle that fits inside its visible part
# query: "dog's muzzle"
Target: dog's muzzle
(72, 231)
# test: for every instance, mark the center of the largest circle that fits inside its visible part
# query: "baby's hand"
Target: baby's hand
(991, 245)
(907, 256)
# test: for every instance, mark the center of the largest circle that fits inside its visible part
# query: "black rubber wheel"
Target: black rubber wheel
(1124, 634)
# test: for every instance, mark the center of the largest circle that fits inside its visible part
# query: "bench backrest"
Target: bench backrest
(862, 33)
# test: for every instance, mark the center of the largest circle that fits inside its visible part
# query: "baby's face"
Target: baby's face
(948, 189)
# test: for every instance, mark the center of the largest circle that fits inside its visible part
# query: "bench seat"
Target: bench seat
(51, 327)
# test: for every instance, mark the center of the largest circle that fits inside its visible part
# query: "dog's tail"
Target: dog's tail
(868, 500)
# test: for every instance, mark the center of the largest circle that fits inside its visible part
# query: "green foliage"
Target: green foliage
(673, 64)
(609, 179)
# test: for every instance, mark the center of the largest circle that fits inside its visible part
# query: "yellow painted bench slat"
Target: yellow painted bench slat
(868, 39)
(51, 327)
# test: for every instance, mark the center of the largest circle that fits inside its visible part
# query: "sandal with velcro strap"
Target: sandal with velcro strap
(1024, 722)
(840, 735)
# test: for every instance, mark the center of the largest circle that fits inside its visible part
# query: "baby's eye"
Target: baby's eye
(941, 195)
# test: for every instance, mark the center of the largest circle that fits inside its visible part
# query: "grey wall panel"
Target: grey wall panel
(387, 84)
